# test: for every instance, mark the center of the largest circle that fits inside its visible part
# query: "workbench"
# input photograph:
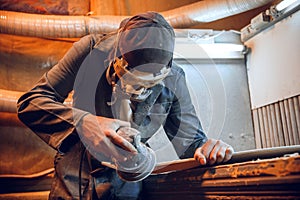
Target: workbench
(273, 178)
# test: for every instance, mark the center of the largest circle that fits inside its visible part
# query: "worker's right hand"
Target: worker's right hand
(101, 136)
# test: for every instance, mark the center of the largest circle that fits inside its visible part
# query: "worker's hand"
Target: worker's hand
(103, 136)
(213, 151)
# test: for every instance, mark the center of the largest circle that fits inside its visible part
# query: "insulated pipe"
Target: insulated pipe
(8, 101)
(57, 26)
(10, 119)
(208, 11)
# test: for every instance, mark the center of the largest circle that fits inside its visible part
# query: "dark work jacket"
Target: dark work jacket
(82, 72)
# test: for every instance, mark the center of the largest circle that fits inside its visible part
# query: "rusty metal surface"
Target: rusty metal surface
(276, 178)
(59, 7)
(23, 152)
(25, 59)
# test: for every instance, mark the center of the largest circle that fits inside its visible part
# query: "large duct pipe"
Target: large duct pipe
(55, 26)
(8, 101)
(8, 107)
(208, 11)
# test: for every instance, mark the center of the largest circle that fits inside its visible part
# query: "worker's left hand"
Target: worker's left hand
(213, 152)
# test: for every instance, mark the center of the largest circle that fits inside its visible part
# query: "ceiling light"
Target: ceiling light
(284, 4)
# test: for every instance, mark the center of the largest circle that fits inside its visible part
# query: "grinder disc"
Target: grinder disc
(140, 167)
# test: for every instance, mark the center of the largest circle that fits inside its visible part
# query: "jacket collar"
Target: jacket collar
(142, 109)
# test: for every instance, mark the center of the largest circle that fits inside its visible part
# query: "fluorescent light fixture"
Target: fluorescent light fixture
(222, 47)
(284, 4)
(208, 51)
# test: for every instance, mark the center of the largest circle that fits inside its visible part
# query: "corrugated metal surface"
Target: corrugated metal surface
(277, 124)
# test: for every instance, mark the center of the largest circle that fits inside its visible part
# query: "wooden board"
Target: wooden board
(241, 156)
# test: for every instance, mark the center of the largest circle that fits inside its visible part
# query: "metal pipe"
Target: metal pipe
(56, 26)
(10, 119)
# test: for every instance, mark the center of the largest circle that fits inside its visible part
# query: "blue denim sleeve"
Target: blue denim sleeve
(42, 108)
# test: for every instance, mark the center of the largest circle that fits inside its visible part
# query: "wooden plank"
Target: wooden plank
(262, 128)
(276, 178)
(279, 125)
(257, 133)
(237, 157)
(288, 121)
(284, 124)
(274, 125)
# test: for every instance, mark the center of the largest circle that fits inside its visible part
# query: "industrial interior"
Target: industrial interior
(241, 60)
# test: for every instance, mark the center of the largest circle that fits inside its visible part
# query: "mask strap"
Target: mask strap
(111, 79)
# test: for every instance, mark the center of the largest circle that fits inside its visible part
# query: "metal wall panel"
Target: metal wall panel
(273, 63)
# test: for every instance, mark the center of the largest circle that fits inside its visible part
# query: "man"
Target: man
(122, 79)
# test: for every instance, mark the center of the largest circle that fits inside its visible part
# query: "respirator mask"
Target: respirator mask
(135, 83)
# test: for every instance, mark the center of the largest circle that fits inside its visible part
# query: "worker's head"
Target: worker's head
(145, 43)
